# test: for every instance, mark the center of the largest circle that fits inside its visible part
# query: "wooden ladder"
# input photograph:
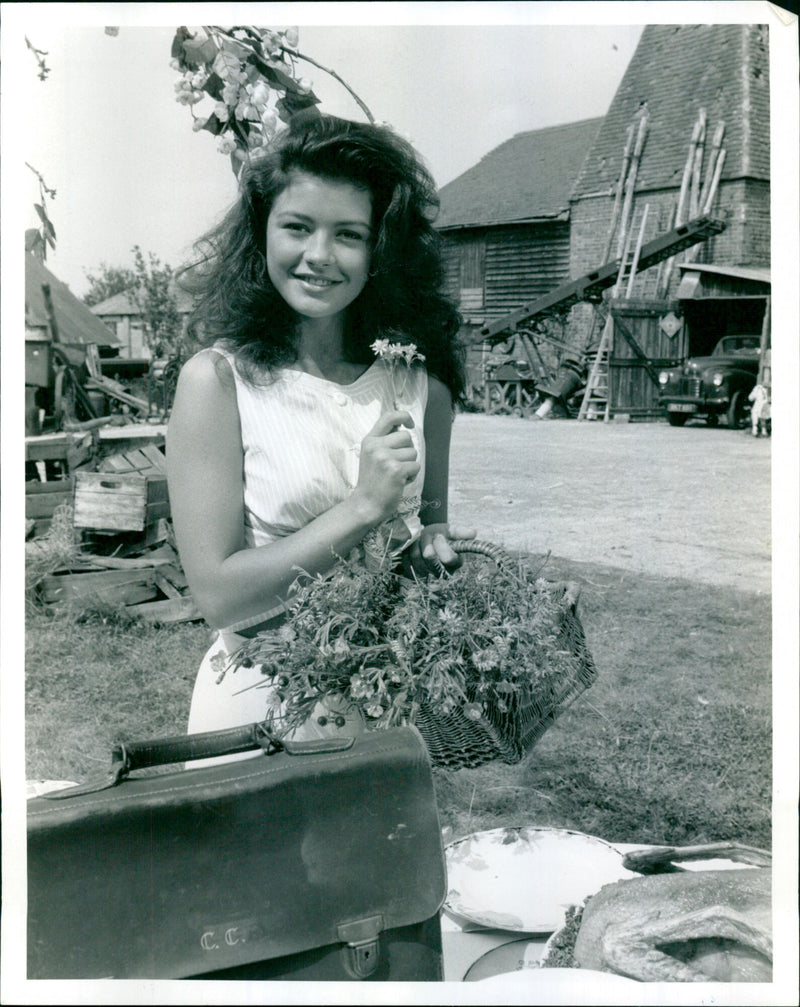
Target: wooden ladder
(595, 397)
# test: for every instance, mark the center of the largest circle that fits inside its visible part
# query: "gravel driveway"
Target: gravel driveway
(691, 502)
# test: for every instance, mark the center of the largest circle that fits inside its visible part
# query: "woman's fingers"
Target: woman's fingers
(389, 422)
(456, 534)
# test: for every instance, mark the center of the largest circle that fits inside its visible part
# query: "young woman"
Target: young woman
(289, 442)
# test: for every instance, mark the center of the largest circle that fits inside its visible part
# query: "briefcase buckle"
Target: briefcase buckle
(361, 954)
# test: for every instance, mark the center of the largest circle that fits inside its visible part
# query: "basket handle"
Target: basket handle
(571, 588)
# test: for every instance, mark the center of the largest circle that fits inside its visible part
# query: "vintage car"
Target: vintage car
(713, 386)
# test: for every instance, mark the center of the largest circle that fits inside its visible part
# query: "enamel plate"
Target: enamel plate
(567, 986)
(524, 879)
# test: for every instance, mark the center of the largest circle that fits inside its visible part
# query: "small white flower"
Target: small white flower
(226, 144)
(259, 96)
(230, 93)
(221, 111)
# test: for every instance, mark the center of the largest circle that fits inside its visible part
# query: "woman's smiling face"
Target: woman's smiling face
(319, 237)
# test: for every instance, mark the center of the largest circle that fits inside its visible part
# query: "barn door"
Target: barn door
(648, 336)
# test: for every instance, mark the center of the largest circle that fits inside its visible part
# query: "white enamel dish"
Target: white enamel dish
(525, 879)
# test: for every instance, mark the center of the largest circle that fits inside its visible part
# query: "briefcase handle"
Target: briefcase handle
(129, 756)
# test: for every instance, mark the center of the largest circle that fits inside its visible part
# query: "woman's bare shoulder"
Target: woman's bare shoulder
(207, 371)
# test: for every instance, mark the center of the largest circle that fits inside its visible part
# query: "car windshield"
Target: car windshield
(743, 346)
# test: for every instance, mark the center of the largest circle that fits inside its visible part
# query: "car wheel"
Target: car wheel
(677, 419)
(737, 411)
(712, 420)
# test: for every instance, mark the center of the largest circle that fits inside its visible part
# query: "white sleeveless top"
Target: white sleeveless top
(302, 436)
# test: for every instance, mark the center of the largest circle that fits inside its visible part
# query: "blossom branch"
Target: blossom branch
(335, 75)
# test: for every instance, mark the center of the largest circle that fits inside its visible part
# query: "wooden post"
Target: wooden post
(623, 174)
(712, 191)
(51, 313)
(637, 251)
(683, 198)
(716, 144)
(765, 334)
(697, 168)
(631, 183)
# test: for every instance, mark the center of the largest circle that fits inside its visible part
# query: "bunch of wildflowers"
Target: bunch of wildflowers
(477, 640)
(398, 357)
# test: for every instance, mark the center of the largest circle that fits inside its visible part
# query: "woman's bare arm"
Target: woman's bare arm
(229, 582)
(436, 533)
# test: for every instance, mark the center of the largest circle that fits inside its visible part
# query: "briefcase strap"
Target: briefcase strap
(125, 758)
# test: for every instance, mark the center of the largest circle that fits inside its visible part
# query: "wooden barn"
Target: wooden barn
(505, 222)
(686, 136)
(697, 97)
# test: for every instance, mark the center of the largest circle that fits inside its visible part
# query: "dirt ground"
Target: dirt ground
(691, 502)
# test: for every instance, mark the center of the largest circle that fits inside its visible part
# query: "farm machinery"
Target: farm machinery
(528, 367)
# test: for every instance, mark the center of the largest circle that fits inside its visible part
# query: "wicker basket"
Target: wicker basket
(454, 741)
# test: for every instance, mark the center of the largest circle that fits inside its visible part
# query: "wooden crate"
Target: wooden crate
(73, 449)
(109, 587)
(120, 502)
(42, 499)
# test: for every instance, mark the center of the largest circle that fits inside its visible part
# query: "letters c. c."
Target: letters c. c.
(206, 941)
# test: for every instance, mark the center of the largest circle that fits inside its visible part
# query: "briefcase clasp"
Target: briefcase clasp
(361, 954)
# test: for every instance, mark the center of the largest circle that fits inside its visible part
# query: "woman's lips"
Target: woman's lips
(318, 282)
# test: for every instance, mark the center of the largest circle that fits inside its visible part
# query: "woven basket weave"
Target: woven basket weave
(454, 741)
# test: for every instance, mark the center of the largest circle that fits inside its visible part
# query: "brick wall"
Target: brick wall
(743, 205)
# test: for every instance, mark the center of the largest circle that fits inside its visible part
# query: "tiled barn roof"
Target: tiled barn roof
(76, 323)
(675, 71)
(528, 177)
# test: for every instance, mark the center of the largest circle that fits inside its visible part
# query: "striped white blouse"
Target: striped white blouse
(302, 435)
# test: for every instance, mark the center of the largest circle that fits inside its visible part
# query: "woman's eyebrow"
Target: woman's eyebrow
(338, 223)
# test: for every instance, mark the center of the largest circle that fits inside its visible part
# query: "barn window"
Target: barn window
(472, 272)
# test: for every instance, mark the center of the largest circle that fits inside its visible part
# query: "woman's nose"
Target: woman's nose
(319, 248)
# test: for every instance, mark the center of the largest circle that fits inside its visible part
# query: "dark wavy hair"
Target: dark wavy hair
(237, 304)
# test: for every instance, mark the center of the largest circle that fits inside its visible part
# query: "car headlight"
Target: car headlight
(663, 378)
(717, 379)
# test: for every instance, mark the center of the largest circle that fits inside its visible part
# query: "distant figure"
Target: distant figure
(760, 413)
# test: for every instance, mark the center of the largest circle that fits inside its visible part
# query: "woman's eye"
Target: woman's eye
(293, 226)
(352, 235)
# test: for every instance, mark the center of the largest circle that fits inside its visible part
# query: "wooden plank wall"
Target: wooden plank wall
(512, 264)
(522, 263)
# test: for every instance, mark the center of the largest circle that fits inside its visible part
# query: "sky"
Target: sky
(104, 129)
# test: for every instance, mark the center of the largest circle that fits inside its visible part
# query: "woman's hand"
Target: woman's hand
(432, 550)
(388, 462)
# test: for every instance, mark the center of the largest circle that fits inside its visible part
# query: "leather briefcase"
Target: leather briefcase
(317, 860)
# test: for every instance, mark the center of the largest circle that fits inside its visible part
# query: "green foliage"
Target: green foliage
(152, 293)
(149, 285)
(107, 281)
(244, 82)
(479, 639)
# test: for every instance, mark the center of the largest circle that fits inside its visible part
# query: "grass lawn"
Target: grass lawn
(672, 744)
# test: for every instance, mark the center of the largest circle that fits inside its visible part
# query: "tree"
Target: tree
(150, 288)
(153, 294)
(109, 280)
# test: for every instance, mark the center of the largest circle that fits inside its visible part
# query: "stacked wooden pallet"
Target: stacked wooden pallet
(151, 586)
(126, 559)
(50, 462)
